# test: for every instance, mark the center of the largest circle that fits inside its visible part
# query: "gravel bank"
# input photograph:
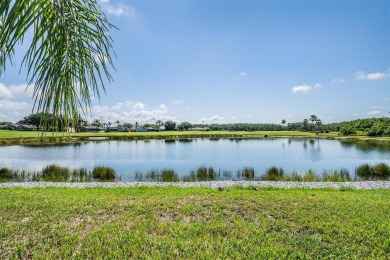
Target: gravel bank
(210, 184)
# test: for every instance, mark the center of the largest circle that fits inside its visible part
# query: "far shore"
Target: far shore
(8, 137)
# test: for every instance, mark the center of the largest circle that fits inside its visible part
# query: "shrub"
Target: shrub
(347, 130)
(54, 173)
(248, 173)
(7, 174)
(103, 173)
(273, 174)
(205, 174)
(169, 175)
(381, 171)
(364, 171)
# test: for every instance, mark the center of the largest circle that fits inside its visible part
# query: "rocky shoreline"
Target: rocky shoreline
(209, 184)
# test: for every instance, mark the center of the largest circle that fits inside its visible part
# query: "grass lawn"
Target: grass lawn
(6, 134)
(194, 223)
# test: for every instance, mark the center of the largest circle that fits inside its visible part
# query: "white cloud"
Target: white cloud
(384, 98)
(376, 107)
(302, 88)
(338, 81)
(132, 111)
(9, 92)
(99, 58)
(5, 93)
(318, 85)
(13, 110)
(247, 116)
(361, 75)
(244, 74)
(374, 112)
(118, 10)
(178, 102)
(13, 105)
(213, 120)
(233, 117)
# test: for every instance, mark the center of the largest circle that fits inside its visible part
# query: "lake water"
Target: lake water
(128, 157)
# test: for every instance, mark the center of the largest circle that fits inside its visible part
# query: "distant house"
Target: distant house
(91, 129)
(118, 128)
(161, 128)
(4, 127)
(23, 127)
(141, 129)
(200, 129)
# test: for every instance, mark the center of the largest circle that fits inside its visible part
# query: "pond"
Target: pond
(130, 157)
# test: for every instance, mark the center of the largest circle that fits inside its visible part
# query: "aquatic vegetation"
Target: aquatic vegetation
(274, 174)
(380, 171)
(103, 173)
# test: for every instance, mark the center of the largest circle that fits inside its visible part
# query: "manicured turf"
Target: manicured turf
(34, 134)
(194, 223)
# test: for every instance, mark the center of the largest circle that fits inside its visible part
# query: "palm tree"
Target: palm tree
(69, 55)
(283, 121)
(313, 119)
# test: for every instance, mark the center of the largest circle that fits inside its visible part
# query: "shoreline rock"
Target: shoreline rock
(209, 184)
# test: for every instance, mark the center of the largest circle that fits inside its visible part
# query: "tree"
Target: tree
(313, 119)
(170, 126)
(283, 121)
(185, 125)
(97, 123)
(69, 55)
(305, 124)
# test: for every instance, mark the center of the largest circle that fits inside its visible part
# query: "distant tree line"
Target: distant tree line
(368, 126)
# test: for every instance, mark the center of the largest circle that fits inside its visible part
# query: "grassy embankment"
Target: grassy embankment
(28, 137)
(194, 223)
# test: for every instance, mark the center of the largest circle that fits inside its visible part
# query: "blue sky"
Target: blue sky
(238, 61)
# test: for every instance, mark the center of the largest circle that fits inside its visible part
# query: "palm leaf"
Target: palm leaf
(69, 56)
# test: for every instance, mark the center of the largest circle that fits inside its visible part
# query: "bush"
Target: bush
(54, 173)
(363, 171)
(6, 173)
(248, 173)
(274, 174)
(347, 130)
(381, 171)
(205, 174)
(169, 175)
(103, 173)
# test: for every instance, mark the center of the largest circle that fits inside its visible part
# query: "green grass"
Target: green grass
(34, 134)
(8, 137)
(171, 223)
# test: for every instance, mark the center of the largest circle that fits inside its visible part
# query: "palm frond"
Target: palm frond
(69, 56)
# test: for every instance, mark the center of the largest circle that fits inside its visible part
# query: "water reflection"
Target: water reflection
(366, 145)
(184, 154)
